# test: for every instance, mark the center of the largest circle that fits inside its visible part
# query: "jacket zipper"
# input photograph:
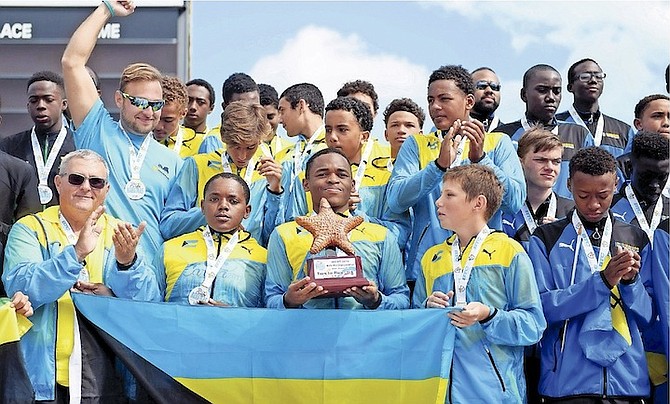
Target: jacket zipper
(495, 368)
(604, 382)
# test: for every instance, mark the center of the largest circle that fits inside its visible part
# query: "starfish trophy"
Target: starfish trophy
(329, 229)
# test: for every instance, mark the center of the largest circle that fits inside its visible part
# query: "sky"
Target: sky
(396, 45)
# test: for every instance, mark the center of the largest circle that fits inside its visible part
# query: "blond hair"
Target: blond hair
(243, 123)
(475, 180)
(139, 72)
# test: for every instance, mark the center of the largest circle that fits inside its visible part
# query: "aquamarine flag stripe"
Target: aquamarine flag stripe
(214, 342)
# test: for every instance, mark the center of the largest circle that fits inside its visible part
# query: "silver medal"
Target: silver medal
(135, 189)
(199, 294)
(45, 194)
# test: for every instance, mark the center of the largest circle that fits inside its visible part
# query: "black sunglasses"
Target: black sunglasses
(143, 103)
(482, 84)
(94, 182)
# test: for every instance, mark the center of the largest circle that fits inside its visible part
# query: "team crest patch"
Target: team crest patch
(437, 256)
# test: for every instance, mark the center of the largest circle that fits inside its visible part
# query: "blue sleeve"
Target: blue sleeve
(87, 135)
(182, 213)
(210, 144)
(507, 167)
(408, 184)
(420, 294)
(137, 282)
(158, 267)
(629, 146)
(44, 278)
(279, 273)
(635, 296)
(522, 322)
(392, 282)
(272, 202)
(562, 304)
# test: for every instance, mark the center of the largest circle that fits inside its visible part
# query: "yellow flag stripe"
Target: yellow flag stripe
(295, 391)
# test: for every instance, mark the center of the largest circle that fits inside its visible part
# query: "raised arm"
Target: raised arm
(79, 86)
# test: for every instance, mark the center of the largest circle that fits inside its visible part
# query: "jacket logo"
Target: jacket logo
(437, 256)
(568, 146)
(490, 254)
(621, 216)
(507, 222)
(612, 135)
(189, 243)
(570, 246)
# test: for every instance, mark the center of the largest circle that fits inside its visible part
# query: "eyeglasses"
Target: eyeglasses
(143, 103)
(94, 182)
(482, 84)
(586, 76)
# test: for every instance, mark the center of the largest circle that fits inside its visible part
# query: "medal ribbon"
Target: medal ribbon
(43, 168)
(360, 173)
(179, 140)
(494, 123)
(598, 136)
(639, 214)
(526, 125)
(459, 151)
(72, 238)
(299, 156)
(214, 263)
(531, 223)
(136, 157)
(619, 322)
(462, 274)
(227, 168)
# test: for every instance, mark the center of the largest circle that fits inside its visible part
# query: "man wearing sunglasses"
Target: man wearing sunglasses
(487, 97)
(541, 92)
(586, 81)
(72, 246)
(141, 169)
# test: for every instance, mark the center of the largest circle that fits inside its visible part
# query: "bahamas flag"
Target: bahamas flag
(15, 386)
(234, 355)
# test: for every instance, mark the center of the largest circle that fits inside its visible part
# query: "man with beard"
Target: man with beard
(541, 92)
(487, 97)
(586, 81)
(141, 170)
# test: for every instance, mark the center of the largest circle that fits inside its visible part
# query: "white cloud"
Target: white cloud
(328, 59)
(629, 39)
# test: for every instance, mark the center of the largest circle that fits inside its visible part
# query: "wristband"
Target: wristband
(109, 7)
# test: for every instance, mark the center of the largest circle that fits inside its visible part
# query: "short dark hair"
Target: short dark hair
(643, 103)
(204, 83)
(235, 177)
(47, 75)
(321, 152)
(458, 74)
(268, 95)
(305, 91)
(482, 68)
(571, 70)
(357, 107)
(238, 83)
(360, 86)
(651, 145)
(592, 161)
(407, 105)
(537, 68)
